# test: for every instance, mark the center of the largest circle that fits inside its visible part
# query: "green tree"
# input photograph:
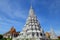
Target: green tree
(1, 36)
(9, 38)
(5, 38)
(27, 39)
(59, 38)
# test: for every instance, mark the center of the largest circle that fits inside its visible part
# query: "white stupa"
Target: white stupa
(32, 29)
(52, 34)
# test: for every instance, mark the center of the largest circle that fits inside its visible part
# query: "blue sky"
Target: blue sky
(15, 12)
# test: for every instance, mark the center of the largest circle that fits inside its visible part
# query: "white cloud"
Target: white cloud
(6, 7)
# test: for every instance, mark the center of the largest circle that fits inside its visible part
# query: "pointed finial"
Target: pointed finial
(31, 4)
(31, 11)
(51, 27)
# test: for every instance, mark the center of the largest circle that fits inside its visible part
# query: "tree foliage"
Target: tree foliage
(1, 36)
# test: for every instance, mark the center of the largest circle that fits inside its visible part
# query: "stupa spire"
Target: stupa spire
(31, 6)
(31, 11)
